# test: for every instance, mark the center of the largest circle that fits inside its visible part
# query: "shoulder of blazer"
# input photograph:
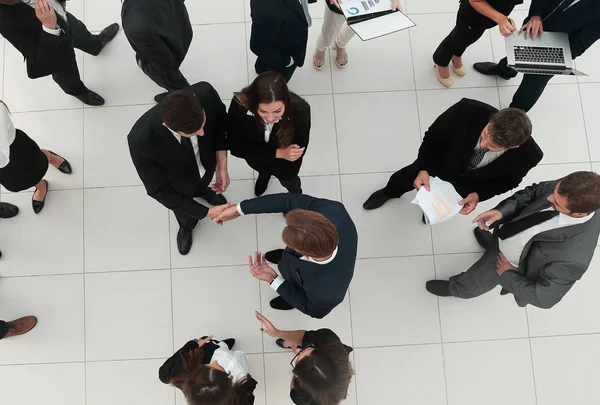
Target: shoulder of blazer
(531, 151)
(18, 16)
(478, 107)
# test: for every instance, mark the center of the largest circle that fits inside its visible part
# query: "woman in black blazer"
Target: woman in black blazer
(269, 127)
(473, 19)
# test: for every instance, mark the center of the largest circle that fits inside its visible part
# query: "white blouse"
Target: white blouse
(233, 362)
(7, 135)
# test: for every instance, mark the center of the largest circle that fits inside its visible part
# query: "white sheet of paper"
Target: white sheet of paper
(440, 203)
(380, 26)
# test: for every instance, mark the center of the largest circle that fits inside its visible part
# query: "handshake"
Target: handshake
(223, 213)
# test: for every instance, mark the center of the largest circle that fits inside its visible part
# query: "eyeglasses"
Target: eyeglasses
(293, 362)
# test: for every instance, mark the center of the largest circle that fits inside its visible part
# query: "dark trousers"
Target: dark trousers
(68, 78)
(174, 80)
(186, 222)
(402, 181)
(293, 186)
(480, 278)
(3, 329)
(455, 44)
(530, 89)
(285, 72)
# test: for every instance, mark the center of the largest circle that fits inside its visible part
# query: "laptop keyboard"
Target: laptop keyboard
(538, 54)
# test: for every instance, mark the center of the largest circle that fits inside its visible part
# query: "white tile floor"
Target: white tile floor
(99, 266)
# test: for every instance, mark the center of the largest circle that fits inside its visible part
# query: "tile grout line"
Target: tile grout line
(85, 383)
(587, 138)
(531, 357)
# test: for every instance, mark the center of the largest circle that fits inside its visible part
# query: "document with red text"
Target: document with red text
(440, 203)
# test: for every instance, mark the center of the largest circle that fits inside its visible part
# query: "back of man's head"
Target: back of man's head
(10, 2)
(182, 112)
(582, 191)
(509, 128)
(310, 233)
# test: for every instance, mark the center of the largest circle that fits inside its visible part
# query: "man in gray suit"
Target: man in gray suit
(544, 243)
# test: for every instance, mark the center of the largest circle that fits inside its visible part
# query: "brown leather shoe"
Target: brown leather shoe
(21, 326)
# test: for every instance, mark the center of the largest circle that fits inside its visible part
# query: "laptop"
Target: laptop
(548, 54)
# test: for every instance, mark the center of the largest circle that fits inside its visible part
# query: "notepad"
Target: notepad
(374, 18)
(440, 203)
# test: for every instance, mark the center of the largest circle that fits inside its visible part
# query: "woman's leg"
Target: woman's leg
(332, 24)
(342, 40)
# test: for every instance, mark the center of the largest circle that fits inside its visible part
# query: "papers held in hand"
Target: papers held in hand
(440, 203)
(374, 18)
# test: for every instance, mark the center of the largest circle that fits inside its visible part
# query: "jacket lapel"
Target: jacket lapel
(295, 4)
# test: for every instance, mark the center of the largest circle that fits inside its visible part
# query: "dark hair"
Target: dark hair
(310, 233)
(182, 112)
(509, 127)
(582, 191)
(10, 3)
(267, 88)
(325, 374)
(203, 385)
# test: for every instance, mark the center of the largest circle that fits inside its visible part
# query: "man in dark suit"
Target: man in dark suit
(279, 35)
(544, 239)
(160, 33)
(46, 34)
(317, 264)
(483, 152)
(176, 148)
(580, 19)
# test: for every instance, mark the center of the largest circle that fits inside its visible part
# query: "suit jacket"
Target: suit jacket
(160, 33)
(449, 143)
(315, 289)
(469, 17)
(279, 30)
(552, 261)
(247, 140)
(44, 53)
(169, 172)
(581, 21)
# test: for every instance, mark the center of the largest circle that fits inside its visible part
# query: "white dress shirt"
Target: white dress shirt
(59, 10)
(489, 156)
(235, 363)
(513, 247)
(194, 140)
(7, 135)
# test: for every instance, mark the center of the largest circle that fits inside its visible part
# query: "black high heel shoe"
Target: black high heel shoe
(65, 167)
(38, 206)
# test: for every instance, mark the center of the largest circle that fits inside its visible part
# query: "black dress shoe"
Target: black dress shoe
(281, 304)
(160, 97)
(376, 200)
(229, 342)
(490, 69)
(483, 237)
(213, 198)
(184, 241)
(503, 291)
(90, 98)
(38, 206)
(261, 184)
(65, 167)
(274, 256)
(280, 342)
(7, 210)
(108, 33)
(440, 288)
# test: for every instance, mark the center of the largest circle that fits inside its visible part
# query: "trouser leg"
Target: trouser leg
(401, 182)
(480, 278)
(529, 91)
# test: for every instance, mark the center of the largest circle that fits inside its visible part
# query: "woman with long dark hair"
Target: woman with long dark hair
(23, 164)
(321, 366)
(269, 127)
(208, 372)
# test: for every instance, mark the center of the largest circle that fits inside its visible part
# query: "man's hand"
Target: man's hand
(222, 181)
(469, 203)
(227, 214)
(503, 265)
(396, 5)
(533, 27)
(422, 180)
(45, 13)
(291, 153)
(485, 220)
(267, 326)
(260, 269)
(506, 27)
(215, 211)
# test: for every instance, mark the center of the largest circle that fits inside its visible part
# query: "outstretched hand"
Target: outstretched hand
(267, 327)
(260, 269)
(229, 213)
(215, 211)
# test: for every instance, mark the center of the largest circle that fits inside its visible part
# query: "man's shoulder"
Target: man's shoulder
(148, 124)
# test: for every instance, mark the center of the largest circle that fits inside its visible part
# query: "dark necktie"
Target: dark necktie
(189, 148)
(477, 157)
(515, 227)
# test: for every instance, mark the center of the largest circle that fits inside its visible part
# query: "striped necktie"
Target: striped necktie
(477, 157)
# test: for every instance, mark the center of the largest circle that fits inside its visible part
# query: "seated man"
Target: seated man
(160, 33)
(45, 33)
(580, 19)
(483, 152)
(544, 243)
(317, 264)
(176, 147)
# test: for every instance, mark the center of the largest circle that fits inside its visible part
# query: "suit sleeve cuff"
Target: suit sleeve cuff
(55, 32)
(508, 278)
(275, 284)
(239, 209)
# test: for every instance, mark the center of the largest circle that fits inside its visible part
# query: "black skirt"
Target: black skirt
(27, 166)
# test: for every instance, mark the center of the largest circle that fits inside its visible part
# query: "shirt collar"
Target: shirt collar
(310, 259)
(566, 220)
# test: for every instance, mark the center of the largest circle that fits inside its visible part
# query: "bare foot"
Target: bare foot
(457, 62)
(319, 59)
(341, 57)
(39, 194)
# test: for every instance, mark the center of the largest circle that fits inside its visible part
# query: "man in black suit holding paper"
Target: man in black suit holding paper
(483, 152)
(176, 148)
